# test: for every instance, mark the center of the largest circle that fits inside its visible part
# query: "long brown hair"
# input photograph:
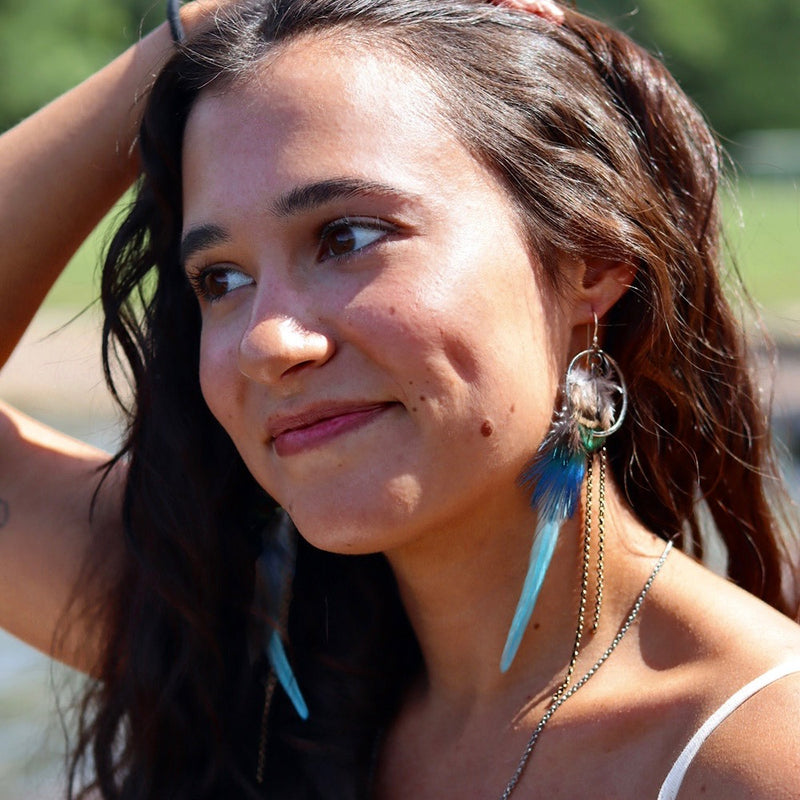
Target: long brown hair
(603, 155)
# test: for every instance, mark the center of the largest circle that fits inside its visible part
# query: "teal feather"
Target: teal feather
(544, 544)
(556, 475)
(283, 671)
(273, 584)
(556, 472)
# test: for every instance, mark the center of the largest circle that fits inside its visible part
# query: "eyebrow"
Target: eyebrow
(312, 195)
(201, 238)
(302, 198)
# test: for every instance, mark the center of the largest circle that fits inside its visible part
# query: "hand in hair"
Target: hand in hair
(543, 8)
(193, 15)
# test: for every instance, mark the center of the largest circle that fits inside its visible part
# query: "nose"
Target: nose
(277, 346)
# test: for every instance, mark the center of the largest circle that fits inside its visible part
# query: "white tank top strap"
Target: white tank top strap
(672, 784)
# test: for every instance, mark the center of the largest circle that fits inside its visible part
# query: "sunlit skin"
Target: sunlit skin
(390, 397)
(430, 340)
(382, 349)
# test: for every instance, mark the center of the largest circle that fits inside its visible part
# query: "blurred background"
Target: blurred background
(740, 63)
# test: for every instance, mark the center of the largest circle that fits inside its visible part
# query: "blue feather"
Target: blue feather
(274, 574)
(544, 543)
(280, 663)
(557, 480)
(556, 475)
(589, 414)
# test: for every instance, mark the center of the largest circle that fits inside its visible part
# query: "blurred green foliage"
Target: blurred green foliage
(47, 46)
(739, 61)
(762, 228)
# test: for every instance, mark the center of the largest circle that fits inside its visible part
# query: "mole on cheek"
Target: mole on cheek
(486, 429)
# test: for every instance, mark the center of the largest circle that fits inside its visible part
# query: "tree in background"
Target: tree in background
(47, 46)
(740, 62)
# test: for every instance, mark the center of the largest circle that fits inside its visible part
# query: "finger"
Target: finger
(546, 9)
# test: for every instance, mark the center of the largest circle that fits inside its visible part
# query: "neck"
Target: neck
(460, 589)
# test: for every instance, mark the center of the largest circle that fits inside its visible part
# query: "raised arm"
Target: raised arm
(47, 525)
(62, 169)
(60, 172)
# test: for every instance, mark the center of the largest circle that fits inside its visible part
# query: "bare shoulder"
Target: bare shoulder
(741, 656)
(730, 626)
(754, 754)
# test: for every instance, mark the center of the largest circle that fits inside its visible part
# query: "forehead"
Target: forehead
(323, 107)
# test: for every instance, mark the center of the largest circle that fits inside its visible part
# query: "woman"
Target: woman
(392, 268)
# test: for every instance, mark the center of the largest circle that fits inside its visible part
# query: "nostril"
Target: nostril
(297, 368)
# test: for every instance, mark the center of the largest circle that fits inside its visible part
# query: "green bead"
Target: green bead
(590, 442)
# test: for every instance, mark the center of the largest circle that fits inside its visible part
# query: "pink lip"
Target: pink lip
(296, 433)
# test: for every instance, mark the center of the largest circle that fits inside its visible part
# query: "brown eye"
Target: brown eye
(344, 237)
(340, 241)
(216, 282)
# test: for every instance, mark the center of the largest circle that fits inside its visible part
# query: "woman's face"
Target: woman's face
(375, 339)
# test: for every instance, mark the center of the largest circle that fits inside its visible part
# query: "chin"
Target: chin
(343, 538)
(349, 526)
(362, 531)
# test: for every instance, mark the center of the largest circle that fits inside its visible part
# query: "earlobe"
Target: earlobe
(603, 283)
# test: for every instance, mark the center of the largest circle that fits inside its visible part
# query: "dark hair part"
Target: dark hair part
(603, 156)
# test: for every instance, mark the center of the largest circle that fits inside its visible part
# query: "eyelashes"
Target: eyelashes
(214, 282)
(339, 241)
(350, 235)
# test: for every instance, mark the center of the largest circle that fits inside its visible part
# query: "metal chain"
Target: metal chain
(587, 551)
(601, 539)
(561, 699)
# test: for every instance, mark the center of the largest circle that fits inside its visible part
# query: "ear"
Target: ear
(601, 283)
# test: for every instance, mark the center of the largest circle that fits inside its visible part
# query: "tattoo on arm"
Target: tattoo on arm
(5, 512)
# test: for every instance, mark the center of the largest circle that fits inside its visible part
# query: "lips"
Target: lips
(295, 433)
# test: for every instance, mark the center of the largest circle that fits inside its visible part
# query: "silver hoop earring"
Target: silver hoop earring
(595, 402)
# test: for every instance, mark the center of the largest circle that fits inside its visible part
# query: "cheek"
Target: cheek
(390, 324)
(220, 379)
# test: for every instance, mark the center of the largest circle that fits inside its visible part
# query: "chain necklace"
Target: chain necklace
(564, 691)
(563, 694)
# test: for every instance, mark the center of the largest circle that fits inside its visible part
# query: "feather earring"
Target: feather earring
(273, 583)
(594, 406)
